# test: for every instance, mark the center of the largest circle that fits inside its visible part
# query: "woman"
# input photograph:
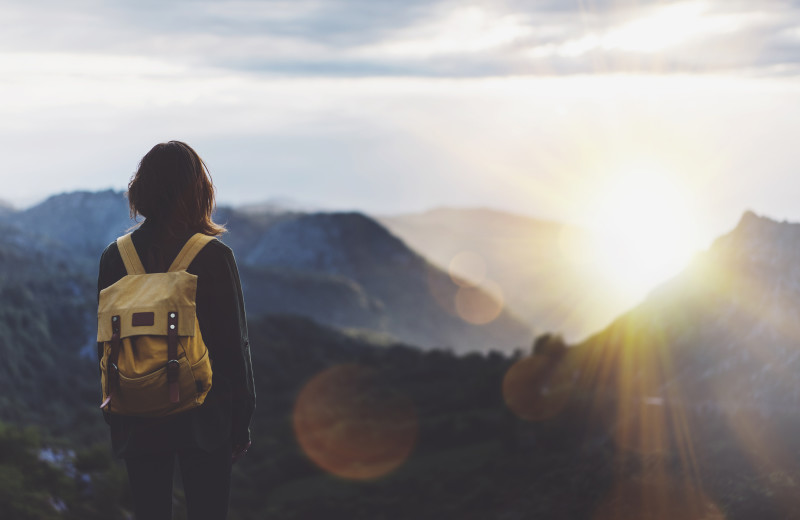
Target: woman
(172, 190)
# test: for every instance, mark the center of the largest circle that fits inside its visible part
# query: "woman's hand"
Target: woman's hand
(239, 451)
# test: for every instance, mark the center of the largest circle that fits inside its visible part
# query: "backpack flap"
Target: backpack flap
(143, 303)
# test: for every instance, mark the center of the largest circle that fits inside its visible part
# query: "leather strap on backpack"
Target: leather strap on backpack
(172, 357)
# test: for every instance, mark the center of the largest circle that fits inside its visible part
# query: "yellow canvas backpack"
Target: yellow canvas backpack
(154, 360)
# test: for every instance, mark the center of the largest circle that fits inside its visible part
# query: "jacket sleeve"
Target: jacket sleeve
(108, 273)
(223, 323)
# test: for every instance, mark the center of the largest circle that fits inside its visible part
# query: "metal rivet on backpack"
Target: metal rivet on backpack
(172, 326)
(171, 314)
(115, 318)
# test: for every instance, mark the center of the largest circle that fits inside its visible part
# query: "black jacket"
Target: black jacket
(225, 415)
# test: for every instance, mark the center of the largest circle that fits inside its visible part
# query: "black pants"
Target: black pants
(206, 482)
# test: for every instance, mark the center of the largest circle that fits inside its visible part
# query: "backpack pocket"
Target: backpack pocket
(148, 395)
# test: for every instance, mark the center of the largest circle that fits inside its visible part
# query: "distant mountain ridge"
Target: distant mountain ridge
(88, 221)
(341, 269)
(390, 283)
(541, 266)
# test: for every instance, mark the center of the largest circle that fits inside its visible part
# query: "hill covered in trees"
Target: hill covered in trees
(427, 434)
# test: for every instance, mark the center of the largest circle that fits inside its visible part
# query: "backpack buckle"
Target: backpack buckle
(173, 368)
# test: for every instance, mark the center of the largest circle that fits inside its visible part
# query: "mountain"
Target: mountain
(705, 371)
(87, 219)
(341, 269)
(278, 205)
(724, 333)
(345, 269)
(695, 391)
(540, 266)
(76, 225)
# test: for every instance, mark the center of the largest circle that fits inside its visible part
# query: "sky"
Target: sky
(587, 111)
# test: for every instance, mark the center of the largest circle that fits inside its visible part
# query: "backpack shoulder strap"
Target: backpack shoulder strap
(193, 246)
(129, 256)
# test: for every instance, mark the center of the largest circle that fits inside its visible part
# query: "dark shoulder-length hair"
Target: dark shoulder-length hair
(173, 187)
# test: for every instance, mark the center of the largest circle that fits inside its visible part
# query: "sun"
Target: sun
(644, 230)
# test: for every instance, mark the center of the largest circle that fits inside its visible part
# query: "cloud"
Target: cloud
(420, 37)
(404, 105)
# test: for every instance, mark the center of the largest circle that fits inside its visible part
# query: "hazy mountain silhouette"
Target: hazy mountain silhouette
(540, 265)
(345, 269)
(85, 220)
(278, 205)
(341, 269)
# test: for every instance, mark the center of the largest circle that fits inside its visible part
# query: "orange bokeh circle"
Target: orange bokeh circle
(353, 425)
(481, 304)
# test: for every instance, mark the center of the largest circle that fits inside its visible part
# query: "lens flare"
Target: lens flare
(480, 305)
(642, 426)
(467, 269)
(350, 423)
